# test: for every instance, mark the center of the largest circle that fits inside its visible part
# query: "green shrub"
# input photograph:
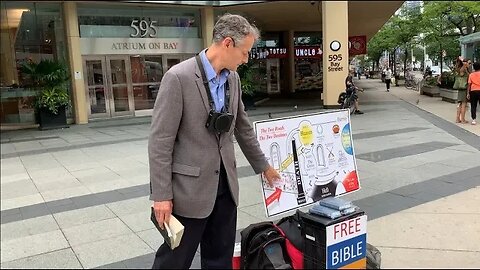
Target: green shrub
(247, 80)
(50, 78)
(447, 80)
(52, 98)
(431, 81)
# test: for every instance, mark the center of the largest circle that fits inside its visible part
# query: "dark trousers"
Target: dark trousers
(388, 81)
(215, 234)
(474, 100)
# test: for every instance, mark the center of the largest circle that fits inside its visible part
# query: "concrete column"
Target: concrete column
(7, 43)
(290, 61)
(75, 60)
(208, 22)
(335, 60)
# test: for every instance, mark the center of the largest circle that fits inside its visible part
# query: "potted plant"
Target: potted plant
(50, 79)
(447, 92)
(248, 89)
(430, 87)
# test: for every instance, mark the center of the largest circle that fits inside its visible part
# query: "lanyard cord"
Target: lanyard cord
(207, 87)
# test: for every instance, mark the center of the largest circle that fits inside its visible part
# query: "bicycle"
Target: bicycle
(410, 82)
(347, 101)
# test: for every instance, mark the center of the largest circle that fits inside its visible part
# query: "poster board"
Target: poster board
(314, 156)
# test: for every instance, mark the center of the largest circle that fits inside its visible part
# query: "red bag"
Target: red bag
(290, 227)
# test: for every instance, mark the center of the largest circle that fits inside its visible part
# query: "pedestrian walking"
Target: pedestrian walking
(473, 91)
(193, 175)
(388, 78)
(461, 76)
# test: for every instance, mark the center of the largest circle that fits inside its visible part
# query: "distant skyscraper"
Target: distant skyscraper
(413, 4)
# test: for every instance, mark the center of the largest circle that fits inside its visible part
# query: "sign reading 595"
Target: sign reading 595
(335, 57)
(143, 27)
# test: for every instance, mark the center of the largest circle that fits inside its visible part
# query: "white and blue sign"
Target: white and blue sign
(346, 252)
(346, 242)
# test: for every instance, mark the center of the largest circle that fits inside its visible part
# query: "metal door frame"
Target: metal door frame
(128, 71)
(108, 87)
(181, 57)
(102, 60)
(165, 58)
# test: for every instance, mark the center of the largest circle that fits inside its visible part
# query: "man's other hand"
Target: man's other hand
(271, 174)
(163, 210)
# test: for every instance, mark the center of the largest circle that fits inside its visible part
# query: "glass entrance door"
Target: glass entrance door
(119, 79)
(95, 71)
(108, 82)
(170, 61)
(273, 76)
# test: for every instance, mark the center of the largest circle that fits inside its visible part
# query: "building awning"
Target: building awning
(365, 18)
(472, 38)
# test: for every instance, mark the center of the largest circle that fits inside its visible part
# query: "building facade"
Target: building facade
(118, 52)
(470, 46)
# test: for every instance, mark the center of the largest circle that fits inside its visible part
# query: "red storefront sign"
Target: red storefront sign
(357, 45)
(308, 52)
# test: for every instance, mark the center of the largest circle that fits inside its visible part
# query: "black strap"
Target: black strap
(207, 86)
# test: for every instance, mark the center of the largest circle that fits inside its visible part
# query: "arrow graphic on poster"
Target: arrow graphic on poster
(275, 196)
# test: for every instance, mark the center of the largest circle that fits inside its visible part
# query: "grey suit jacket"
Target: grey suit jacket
(184, 156)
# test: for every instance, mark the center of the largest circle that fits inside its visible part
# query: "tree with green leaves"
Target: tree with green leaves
(443, 22)
(398, 33)
(382, 41)
(463, 16)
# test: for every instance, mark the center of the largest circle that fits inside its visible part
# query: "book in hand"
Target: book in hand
(172, 232)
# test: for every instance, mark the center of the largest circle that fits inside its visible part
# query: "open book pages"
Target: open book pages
(171, 232)
(175, 231)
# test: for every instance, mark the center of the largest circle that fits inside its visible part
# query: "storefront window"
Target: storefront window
(30, 31)
(137, 22)
(308, 74)
(260, 75)
(308, 61)
(307, 39)
(147, 72)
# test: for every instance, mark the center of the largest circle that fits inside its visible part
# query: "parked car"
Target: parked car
(436, 70)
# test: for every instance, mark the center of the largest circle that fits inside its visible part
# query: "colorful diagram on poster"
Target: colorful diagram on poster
(314, 155)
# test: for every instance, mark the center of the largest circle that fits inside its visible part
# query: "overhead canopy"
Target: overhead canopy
(475, 37)
(364, 17)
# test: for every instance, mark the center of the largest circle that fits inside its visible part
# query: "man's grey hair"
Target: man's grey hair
(235, 27)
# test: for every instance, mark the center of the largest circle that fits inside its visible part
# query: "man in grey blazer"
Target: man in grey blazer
(192, 168)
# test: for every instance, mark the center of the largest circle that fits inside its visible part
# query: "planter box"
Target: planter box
(431, 91)
(48, 120)
(449, 95)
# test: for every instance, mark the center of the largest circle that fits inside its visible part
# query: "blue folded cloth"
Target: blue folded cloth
(348, 210)
(335, 203)
(324, 211)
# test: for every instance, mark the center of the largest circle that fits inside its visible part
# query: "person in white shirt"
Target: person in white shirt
(388, 78)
